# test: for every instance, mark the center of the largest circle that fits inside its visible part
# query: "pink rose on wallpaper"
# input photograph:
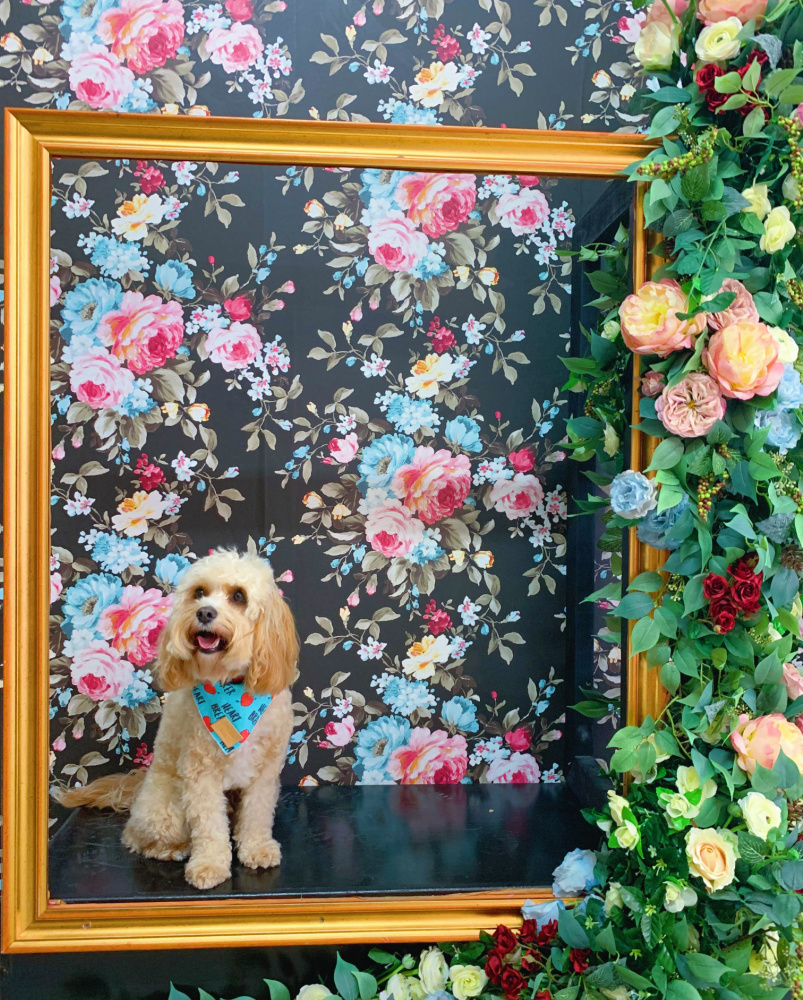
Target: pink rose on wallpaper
(143, 33)
(522, 460)
(56, 586)
(438, 203)
(523, 212)
(98, 78)
(630, 27)
(100, 380)
(55, 289)
(235, 48)
(339, 733)
(133, 626)
(435, 484)
(99, 672)
(238, 308)
(239, 10)
(517, 769)
(394, 242)
(233, 346)
(429, 758)
(392, 530)
(691, 407)
(517, 497)
(144, 332)
(518, 739)
(344, 449)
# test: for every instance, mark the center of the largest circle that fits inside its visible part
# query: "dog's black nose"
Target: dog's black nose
(206, 614)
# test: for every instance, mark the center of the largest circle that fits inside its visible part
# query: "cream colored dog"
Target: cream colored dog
(229, 623)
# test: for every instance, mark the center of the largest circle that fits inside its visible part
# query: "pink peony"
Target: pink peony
(759, 741)
(344, 449)
(741, 309)
(743, 358)
(692, 407)
(517, 497)
(133, 626)
(429, 758)
(392, 530)
(395, 243)
(793, 681)
(438, 203)
(649, 319)
(233, 346)
(100, 380)
(435, 484)
(235, 48)
(144, 332)
(523, 212)
(339, 733)
(98, 78)
(517, 769)
(713, 11)
(522, 460)
(143, 33)
(99, 672)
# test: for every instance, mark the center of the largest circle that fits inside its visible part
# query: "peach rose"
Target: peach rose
(741, 310)
(133, 626)
(394, 242)
(429, 758)
(712, 11)
(98, 78)
(743, 358)
(759, 741)
(658, 11)
(523, 212)
(434, 484)
(344, 449)
(99, 672)
(712, 856)
(649, 319)
(692, 406)
(143, 33)
(339, 733)
(235, 48)
(517, 497)
(793, 681)
(517, 769)
(144, 332)
(392, 530)
(100, 380)
(438, 203)
(233, 346)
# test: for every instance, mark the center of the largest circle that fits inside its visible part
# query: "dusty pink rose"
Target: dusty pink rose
(100, 380)
(234, 346)
(429, 758)
(692, 407)
(133, 626)
(523, 212)
(98, 78)
(438, 203)
(144, 332)
(394, 242)
(649, 319)
(517, 497)
(392, 530)
(517, 769)
(55, 289)
(657, 11)
(56, 586)
(339, 733)
(235, 48)
(99, 672)
(743, 358)
(741, 309)
(759, 741)
(344, 449)
(435, 483)
(143, 33)
(652, 384)
(711, 11)
(793, 681)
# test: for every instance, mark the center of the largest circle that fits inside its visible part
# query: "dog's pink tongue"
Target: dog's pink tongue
(208, 641)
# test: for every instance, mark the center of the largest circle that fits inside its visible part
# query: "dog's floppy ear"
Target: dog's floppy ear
(275, 651)
(173, 671)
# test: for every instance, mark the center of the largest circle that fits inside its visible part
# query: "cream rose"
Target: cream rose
(787, 347)
(677, 806)
(613, 898)
(627, 835)
(759, 200)
(719, 42)
(712, 856)
(657, 45)
(778, 230)
(313, 991)
(401, 987)
(467, 981)
(791, 188)
(678, 897)
(688, 780)
(760, 814)
(433, 970)
(616, 803)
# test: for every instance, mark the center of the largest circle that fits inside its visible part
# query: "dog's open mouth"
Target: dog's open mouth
(209, 642)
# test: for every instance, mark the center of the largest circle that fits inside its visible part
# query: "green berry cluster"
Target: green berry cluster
(700, 153)
(708, 490)
(793, 130)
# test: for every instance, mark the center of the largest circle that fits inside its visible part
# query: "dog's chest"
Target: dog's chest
(243, 765)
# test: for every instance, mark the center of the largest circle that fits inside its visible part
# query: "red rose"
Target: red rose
(705, 78)
(504, 939)
(238, 308)
(518, 739)
(442, 340)
(494, 965)
(528, 931)
(150, 179)
(448, 48)
(746, 594)
(150, 476)
(239, 10)
(522, 460)
(543, 995)
(723, 615)
(512, 982)
(743, 568)
(579, 958)
(714, 587)
(439, 622)
(531, 962)
(547, 934)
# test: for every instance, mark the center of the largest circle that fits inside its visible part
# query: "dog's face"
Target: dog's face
(229, 619)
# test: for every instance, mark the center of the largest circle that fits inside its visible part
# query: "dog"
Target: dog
(230, 642)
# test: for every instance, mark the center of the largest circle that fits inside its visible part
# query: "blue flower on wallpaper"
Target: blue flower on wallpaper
(169, 569)
(377, 742)
(176, 277)
(86, 600)
(377, 185)
(462, 713)
(427, 549)
(408, 414)
(80, 16)
(85, 305)
(406, 113)
(463, 432)
(115, 258)
(381, 459)
(117, 554)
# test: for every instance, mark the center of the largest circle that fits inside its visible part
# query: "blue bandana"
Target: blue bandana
(229, 711)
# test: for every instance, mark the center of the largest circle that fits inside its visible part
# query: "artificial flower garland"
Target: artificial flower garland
(695, 894)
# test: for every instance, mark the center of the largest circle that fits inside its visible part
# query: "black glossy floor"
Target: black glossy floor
(368, 840)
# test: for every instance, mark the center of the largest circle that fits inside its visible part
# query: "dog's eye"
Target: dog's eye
(238, 596)
(199, 593)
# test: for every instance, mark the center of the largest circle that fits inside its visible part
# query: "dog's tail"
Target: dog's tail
(115, 791)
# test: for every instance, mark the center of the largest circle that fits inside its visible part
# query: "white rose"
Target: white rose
(677, 806)
(616, 803)
(611, 440)
(620, 993)
(467, 981)
(314, 991)
(757, 195)
(760, 814)
(433, 970)
(627, 836)
(401, 987)
(688, 780)
(764, 962)
(613, 898)
(719, 41)
(791, 188)
(787, 348)
(678, 897)
(778, 230)
(657, 45)
(610, 329)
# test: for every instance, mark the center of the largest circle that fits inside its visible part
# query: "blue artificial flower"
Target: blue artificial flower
(169, 569)
(542, 913)
(463, 432)
(380, 460)
(652, 530)
(575, 874)
(462, 713)
(632, 494)
(377, 742)
(176, 277)
(784, 428)
(86, 600)
(790, 389)
(86, 304)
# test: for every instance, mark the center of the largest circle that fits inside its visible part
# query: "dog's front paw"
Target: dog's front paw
(205, 872)
(264, 854)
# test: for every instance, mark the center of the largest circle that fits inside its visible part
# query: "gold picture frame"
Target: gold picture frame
(31, 921)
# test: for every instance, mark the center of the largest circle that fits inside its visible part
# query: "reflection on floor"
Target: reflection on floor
(366, 840)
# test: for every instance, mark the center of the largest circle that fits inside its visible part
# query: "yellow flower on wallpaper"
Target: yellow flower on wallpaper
(135, 215)
(137, 510)
(428, 373)
(423, 656)
(433, 82)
